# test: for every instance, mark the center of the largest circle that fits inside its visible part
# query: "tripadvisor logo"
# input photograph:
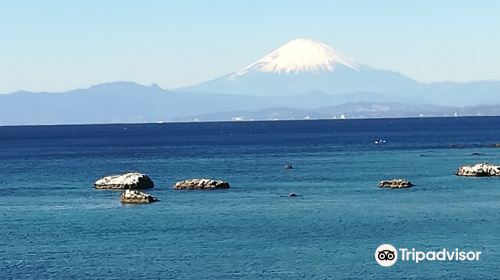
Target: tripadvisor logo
(387, 255)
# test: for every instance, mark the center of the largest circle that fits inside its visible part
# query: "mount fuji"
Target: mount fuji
(303, 79)
(303, 67)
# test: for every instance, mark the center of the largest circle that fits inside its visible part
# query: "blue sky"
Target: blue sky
(60, 45)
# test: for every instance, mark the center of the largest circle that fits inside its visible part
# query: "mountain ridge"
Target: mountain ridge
(358, 110)
(300, 77)
(128, 102)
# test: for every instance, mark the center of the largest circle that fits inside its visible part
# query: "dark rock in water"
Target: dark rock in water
(131, 180)
(395, 184)
(479, 170)
(136, 197)
(476, 154)
(201, 184)
(422, 155)
(288, 166)
(292, 195)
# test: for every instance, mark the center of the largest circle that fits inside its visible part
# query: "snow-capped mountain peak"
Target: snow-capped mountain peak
(300, 55)
(300, 67)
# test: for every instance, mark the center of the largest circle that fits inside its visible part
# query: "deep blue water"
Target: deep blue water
(53, 224)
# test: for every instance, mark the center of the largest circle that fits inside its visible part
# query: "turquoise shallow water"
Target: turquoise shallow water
(55, 225)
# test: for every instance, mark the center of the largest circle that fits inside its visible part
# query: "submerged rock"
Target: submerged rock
(201, 184)
(125, 181)
(395, 184)
(479, 170)
(135, 197)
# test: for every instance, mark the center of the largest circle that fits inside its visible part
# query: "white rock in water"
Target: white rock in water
(125, 181)
(395, 184)
(201, 184)
(131, 196)
(479, 170)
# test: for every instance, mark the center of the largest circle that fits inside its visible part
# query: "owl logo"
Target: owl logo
(386, 255)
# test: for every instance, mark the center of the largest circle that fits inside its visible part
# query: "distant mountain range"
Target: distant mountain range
(300, 80)
(119, 102)
(308, 71)
(349, 110)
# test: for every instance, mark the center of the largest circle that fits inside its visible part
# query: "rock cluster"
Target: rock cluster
(125, 181)
(135, 197)
(201, 184)
(479, 170)
(395, 184)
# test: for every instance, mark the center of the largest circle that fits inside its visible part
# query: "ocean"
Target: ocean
(54, 225)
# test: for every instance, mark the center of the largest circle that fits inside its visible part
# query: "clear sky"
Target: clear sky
(60, 45)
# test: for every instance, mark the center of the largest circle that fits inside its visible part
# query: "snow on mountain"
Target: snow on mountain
(300, 55)
(300, 67)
